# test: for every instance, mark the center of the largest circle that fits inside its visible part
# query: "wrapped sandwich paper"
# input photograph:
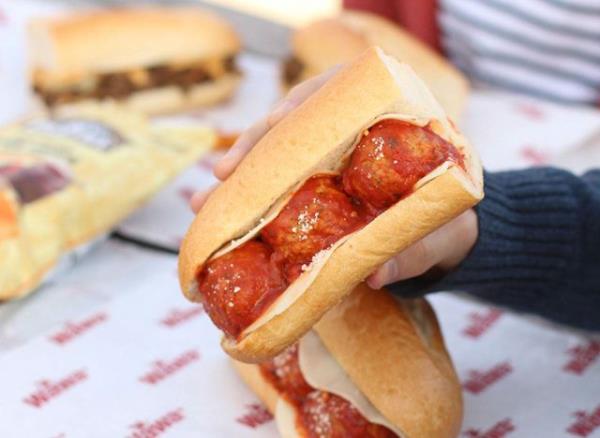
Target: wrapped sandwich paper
(68, 178)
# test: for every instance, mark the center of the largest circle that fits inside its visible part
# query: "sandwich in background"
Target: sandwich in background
(373, 367)
(67, 179)
(154, 60)
(331, 41)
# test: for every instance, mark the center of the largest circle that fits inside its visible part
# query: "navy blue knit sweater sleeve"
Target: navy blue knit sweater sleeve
(538, 249)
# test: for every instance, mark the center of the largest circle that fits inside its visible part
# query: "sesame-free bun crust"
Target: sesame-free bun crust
(331, 41)
(394, 352)
(312, 139)
(69, 48)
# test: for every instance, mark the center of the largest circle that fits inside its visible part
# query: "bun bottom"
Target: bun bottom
(393, 352)
(172, 99)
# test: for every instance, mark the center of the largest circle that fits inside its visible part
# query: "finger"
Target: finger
(380, 277)
(412, 262)
(226, 165)
(199, 198)
(445, 247)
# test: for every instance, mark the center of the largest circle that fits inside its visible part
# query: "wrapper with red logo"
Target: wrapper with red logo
(142, 360)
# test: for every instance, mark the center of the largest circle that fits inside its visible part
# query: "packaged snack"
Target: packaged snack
(69, 178)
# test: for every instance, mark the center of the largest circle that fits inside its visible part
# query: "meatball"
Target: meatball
(321, 413)
(317, 216)
(285, 374)
(390, 158)
(237, 287)
(326, 415)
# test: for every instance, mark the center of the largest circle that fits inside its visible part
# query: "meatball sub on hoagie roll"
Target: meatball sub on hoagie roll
(373, 367)
(364, 168)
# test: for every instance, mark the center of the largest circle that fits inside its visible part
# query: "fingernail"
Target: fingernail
(196, 201)
(373, 284)
(383, 275)
(220, 170)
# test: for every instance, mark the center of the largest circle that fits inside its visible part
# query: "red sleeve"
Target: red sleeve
(416, 16)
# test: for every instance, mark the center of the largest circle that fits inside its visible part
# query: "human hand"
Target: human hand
(444, 248)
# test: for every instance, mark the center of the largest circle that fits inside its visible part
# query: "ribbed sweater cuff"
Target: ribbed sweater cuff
(527, 250)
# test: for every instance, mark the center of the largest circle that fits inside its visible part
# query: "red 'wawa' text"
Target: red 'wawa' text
(585, 423)
(480, 322)
(72, 330)
(179, 316)
(163, 369)
(480, 380)
(257, 415)
(582, 356)
(498, 430)
(47, 390)
(157, 427)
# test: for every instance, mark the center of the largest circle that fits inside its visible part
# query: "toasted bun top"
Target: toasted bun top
(68, 48)
(309, 140)
(394, 353)
(325, 43)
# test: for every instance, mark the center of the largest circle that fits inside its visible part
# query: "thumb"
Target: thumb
(445, 247)
(412, 262)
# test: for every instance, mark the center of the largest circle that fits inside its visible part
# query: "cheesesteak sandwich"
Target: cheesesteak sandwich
(364, 168)
(330, 41)
(373, 367)
(151, 59)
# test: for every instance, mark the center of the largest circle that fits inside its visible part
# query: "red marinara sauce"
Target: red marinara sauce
(283, 372)
(392, 155)
(320, 414)
(238, 286)
(316, 217)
